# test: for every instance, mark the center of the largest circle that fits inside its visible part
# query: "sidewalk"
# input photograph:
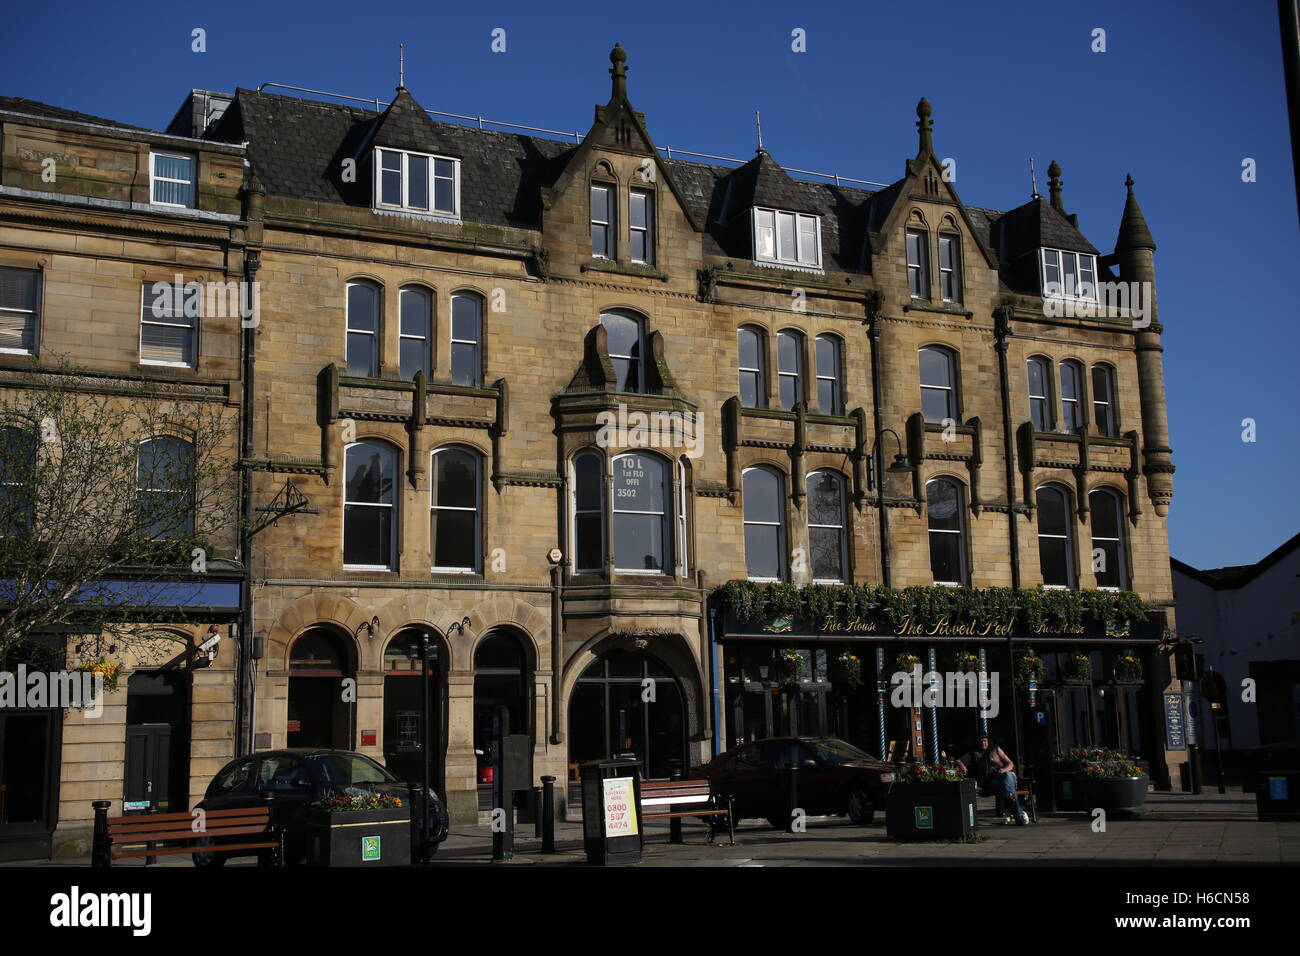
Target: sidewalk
(1179, 830)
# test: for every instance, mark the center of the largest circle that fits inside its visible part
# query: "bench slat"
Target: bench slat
(689, 813)
(163, 836)
(187, 825)
(145, 819)
(219, 848)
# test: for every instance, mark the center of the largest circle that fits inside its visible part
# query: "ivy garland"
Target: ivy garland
(839, 604)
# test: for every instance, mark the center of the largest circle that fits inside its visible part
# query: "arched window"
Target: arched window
(1103, 401)
(588, 514)
(828, 540)
(750, 361)
(944, 505)
(830, 396)
(1071, 395)
(369, 518)
(17, 479)
(625, 337)
(455, 511)
(165, 487)
(1055, 537)
(1040, 402)
(1108, 558)
(413, 351)
(502, 698)
(789, 368)
(466, 339)
(642, 523)
(363, 329)
(763, 490)
(938, 383)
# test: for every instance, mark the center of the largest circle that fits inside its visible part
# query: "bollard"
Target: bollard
(674, 823)
(792, 795)
(418, 823)
(548, 814)
(101, 851)
(149, 860)
(535, 808)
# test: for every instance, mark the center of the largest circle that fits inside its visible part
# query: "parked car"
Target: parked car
(835, 777)
(297, 778)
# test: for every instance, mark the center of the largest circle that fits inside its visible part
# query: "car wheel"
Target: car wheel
(859, 807)
(208, 859)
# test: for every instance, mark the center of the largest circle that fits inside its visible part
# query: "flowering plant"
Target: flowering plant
(1078, 667)
(789, 664)
(967, 661)
(109, 670)
(906, 661)
(851, 665)
(928, 773)
(1097, 762)
(1029, 666)
(345, 803)
(1127, 666)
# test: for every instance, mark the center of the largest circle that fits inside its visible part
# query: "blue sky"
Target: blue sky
(1184, 92)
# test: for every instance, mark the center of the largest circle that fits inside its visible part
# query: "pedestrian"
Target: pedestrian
(994, 771)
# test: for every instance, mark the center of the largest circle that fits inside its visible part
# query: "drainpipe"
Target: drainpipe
(873, 333)
(557, 650)
(715, 675)
(244, 647)
(1002, 333)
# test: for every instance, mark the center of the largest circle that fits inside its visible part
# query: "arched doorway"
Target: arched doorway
(629, 702)
(322, 691)
(158, 739)
(502, 702)
(403, 703)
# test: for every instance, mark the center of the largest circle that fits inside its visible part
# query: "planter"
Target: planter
(1067, 790)
(930, 811)
(359, 837)
(1116, 794)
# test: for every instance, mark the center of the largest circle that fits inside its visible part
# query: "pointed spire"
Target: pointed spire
(1054, 185)
(1133, 231)
(618, 71)
(401, 67)
(924, 125)
(1033, 180)
(758, 121)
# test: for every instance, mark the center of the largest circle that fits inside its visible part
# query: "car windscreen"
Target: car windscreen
(346, 770)
(830, 750)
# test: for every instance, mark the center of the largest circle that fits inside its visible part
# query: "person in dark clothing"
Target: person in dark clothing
(994, 771)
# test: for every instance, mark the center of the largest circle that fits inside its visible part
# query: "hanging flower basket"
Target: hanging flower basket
(849, 669)
(905, 662)
(1029, 667)
(967, 662)
(108, 670)
(1078, 668)
(1128, 668)
(789, 664)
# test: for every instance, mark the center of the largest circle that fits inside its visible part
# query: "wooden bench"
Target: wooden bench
(116, 836)
(671, 794)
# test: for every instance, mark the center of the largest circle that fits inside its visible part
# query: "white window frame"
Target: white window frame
(951, 357)
(682, 502)
(427, 364)
(638, 362)
(602, 485)
(404, 206)
(1045, 398)
(759, 373)
(1055, 259)
(842, 527)
(837, 386)
(379, 315)
(922, 265)
(611, 240)
(797, 374)
(1109, 402)
(648, 230)
(34, 313)
(615, 511)
(782, 532)
(191, 325)
(1118, 501)
(763, 219)
(397, 516)
(1071, 569)
(955, 271)
(1077, 368)
(155, 178)
(477, 509)
(960, 531)
(477, 343)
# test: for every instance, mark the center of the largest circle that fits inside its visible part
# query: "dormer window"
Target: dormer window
(1069, 274)
(787, 238)
(417, 182)
(171, 180)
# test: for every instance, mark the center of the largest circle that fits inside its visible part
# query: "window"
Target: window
(753, 383)
(830, 398)
(624, 337)
(944, 504)
(938, 383)
(682, 503)
(789, 368)
(363, 329)
(787, 238)
(764, 498)
(171, 180)
(918, 264)
(1040, 404)
(19, 310)
(641, 214)
(167, 324)
(1071, 397)
(455, 527)
(1072, 274)
(466, 339)
(642, 528)
(165, 487)
(368, 515)
(417, 182)
(1107, 510)
(17, 475)
(588, 514)
(413, 341)
(827, 532)
(950, 268)
(602, 222)
(1055, 541)
(1103, 401)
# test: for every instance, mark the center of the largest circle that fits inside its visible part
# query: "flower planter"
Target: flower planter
(930, 811)
(359, 837)
(1116, 794)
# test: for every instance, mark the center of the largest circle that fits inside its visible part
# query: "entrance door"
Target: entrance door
(628, 702)
(321, 701)
(148, 764)
(28, 782)
(157, 739)
(403, 704)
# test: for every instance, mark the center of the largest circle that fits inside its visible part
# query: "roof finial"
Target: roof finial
(924, 125)
(618, 71)
(1133, 231)
(758, 121)
(1128, 181)
(401, 67)
(1054, 185)
(1033, 180)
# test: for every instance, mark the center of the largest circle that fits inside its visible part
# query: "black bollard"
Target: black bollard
(101, 851)
(418, 822)
(535, 808)
(674, 823)
(792, 796)
(149, 860)
(548, 814)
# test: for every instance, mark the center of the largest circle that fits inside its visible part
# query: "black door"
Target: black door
(148, 765)
(29, 770)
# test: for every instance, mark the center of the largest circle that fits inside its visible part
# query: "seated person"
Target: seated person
(994, 772)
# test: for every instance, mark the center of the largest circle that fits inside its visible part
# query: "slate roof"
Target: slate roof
(1236, 576)
(18, 104)
(297, 147)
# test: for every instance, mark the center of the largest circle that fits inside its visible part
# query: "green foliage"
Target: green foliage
(1029, 666)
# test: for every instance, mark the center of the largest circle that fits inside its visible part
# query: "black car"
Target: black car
(834, 778)
(297, 778)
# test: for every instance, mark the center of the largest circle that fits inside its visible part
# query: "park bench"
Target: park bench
(150, 835)
(696, 794)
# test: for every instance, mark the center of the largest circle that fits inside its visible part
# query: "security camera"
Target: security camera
(209, 646)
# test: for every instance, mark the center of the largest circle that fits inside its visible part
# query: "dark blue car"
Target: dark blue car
(297, 778)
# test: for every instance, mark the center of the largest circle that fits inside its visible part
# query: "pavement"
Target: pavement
(1178, 830)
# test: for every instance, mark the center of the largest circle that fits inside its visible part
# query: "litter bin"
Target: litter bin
(611, 811)
(1277, 794)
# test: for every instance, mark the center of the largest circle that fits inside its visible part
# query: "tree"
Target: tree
(113, 493)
